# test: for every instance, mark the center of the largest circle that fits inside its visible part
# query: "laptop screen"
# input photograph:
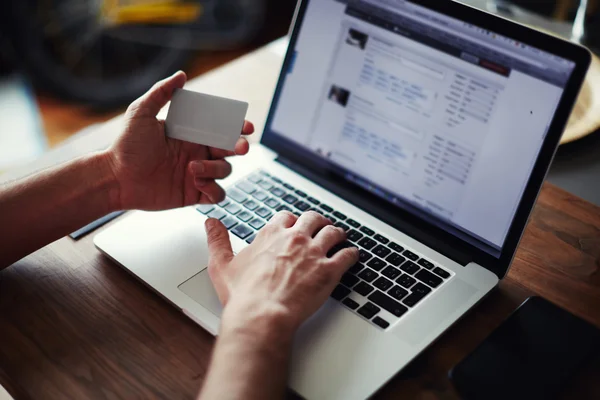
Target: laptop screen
(439, 117)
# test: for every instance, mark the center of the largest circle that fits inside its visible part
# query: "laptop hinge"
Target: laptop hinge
(378, 208)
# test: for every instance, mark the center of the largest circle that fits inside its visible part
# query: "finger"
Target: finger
(284, 219)
(311, 222)
(248, 128)
(241, 148)
(212, 193)
(220, 255)
(342, 260)
(329, 236)
(159, 95)
(210, 169)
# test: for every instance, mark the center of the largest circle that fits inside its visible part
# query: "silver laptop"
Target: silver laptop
(425, 130)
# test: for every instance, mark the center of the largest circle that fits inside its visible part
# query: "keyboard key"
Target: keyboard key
(420, 288)
(317, 210)
(368, 275)
(368, 310)
(242, 231)
(205, 208)
(410, 267)
(339, 215)
(278, 192)
(354, 236)
(440, 272)
(381, 251)
(367, 231)
(342, 225)
(290, 199)
(383, 283)
(251, 238)
(224, 202)
(236, 195)
(388, 304)
(353, 223)
(363, 288)
(326, 208)
(264, 173)
(367, 243)
(288, 186)
(251, 205)
(396, 247)
(380, 322)
(246, 187)
(283, 208)
(391, 272)
(260, 195)
(410, 255)
(217, 213)
(428, 278)
(275, 179)
(363, 256)
(300, 193)
(416, 295)
(272, 203)
(398, 293)
(349, 280)
(229, 222)
(233, 208)
(406, 281)
(263, 212)
(356, 268)
(426, 264)
(377, 264)
(351, 304)
(256, 178)
(395, 259)
(340, 292)
(302, 206)
(266, 185)
(257, 223)
(296, 213)
(313, 200)
(381, 239)
(245, 216)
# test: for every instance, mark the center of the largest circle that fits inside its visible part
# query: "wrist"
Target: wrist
(270, 326)
(106, 180)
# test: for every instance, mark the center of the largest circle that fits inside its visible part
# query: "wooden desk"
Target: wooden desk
(75, 325)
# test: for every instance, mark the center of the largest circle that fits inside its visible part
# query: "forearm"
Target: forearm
(249, 362)
(44, 207)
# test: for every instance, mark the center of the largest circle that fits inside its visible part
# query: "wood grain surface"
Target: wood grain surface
(75, 325)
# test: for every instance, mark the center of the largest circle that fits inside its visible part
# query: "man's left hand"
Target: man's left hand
(155, 172)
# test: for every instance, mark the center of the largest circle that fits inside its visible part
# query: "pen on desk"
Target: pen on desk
(95, 225)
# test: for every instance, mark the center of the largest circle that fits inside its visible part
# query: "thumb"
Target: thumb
(160, 94)
(219, 245)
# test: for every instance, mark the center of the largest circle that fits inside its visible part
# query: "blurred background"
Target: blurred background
(69, 64)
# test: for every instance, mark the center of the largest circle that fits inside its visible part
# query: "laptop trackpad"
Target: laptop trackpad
(200, 289)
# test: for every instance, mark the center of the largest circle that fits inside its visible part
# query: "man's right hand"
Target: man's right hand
(284, 276)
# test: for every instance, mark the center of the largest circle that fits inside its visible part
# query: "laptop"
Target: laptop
(424, 129)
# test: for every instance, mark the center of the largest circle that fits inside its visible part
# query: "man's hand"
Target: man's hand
(285, 274)
(155, 172)
(269, 289)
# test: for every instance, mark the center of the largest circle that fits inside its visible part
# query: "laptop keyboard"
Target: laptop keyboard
(387, 282)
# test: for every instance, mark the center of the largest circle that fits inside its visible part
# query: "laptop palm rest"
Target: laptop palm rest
(200, 289)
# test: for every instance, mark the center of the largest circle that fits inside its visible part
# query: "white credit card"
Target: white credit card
(205, 119)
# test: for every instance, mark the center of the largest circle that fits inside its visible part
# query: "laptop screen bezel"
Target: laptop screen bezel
(433, 236)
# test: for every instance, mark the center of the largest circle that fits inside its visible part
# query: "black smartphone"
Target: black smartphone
(534, 354)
